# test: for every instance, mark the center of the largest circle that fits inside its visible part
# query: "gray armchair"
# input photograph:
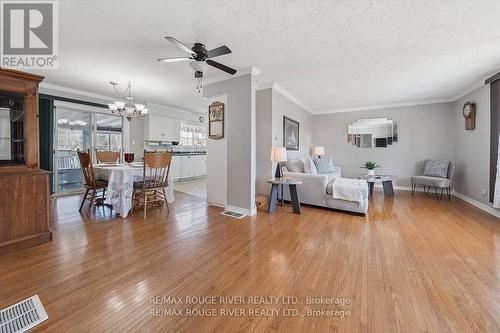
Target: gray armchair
(442, 183)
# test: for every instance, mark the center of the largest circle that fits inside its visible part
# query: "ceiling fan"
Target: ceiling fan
(201, 58)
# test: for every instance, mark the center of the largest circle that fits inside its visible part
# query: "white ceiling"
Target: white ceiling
(330, 55)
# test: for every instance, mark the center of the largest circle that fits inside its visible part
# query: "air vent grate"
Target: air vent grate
(233, 214)
(22, 316)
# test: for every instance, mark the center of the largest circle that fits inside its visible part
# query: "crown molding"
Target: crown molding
(244, 71)
(476, 85)
(386, 106)
(50, 86)
(285, 93)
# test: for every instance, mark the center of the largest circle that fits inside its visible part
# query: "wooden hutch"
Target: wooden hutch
(24, 188)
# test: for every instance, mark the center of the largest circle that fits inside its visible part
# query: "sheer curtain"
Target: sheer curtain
(496, 199)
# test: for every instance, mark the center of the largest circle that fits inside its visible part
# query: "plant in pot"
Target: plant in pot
(370, 166)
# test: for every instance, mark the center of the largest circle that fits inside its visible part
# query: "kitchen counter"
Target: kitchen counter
(188, 153)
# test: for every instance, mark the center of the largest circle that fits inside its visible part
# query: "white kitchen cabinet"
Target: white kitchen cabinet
(158, 128)
(176, 167)
(192, 166)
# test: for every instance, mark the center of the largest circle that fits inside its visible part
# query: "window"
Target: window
(193, 135)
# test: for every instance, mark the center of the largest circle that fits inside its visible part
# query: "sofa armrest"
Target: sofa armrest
(312, 190)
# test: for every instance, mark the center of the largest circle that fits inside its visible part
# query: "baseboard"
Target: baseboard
(480, 205)
(216, 204)
(245, 211)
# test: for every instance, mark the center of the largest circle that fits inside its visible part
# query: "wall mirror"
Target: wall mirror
(372, 132)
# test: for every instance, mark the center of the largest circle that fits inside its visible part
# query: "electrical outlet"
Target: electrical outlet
(484, 192)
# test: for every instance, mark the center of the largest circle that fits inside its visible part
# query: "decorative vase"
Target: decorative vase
(371, 172)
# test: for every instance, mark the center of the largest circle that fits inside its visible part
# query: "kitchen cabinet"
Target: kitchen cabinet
(176, 167)
(188, 166)
(159, 128)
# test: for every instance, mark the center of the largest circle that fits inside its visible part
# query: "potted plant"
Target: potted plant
(370, 166)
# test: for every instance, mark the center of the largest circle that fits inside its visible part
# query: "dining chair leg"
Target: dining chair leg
(166, 202)
(92, 198)
(145, 203)
(83, 200)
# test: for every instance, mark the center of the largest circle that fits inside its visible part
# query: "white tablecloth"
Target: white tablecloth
(121, 185)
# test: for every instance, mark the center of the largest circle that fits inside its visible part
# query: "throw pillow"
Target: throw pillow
(312, 166)
(436, 168)
(307, 165)
(323, 165)
(295, 165)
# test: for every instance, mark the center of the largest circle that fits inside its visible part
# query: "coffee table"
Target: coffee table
(386, 181)
(294, 197)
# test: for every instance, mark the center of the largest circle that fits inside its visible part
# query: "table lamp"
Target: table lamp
(278, 154)
(319, 150)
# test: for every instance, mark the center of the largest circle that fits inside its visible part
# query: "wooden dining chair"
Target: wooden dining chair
(92, 184)
(106, 156)
(152, 188)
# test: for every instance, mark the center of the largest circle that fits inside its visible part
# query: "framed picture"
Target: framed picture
(216, 120)
(290, 134)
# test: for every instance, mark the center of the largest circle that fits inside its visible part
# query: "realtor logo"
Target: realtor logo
(29, 37)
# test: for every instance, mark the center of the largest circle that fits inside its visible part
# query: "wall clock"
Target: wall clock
(469, 112)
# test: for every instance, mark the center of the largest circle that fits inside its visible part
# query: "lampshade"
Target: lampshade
(319, 150)
(278, 154)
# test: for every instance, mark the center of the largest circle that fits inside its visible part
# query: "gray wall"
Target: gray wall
(240, 118)
(264, 140)
(472, 148)
(282, 106)
(271, 107)
(136, 138)
(425, 131)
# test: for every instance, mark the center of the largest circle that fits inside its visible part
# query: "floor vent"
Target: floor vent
(22, 316)
(233, 214)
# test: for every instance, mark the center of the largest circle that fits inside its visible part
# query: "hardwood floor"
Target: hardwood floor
(413, 264)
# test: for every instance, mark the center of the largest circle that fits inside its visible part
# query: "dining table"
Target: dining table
(121, 178)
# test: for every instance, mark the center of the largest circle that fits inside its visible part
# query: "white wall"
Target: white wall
(472, 147)
(425, 131)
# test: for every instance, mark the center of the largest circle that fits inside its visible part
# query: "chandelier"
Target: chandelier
(127, 109)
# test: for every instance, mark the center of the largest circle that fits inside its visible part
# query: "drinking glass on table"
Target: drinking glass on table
(129, 157)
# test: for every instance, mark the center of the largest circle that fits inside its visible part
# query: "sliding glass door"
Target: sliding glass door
(73, 131)
(78, 129)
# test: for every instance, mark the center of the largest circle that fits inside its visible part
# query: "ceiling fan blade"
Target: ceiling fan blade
(218, 51)
(176, 59)
(179, 45)
(221, 67)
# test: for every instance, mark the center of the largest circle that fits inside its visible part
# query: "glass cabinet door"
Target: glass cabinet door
(11, 129)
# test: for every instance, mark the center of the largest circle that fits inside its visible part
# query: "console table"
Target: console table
(294, 197)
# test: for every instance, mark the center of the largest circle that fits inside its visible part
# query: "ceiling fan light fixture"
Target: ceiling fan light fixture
(198, 66)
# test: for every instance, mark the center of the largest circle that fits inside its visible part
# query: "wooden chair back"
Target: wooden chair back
(156, 169)
(87, 168)
(105, 156)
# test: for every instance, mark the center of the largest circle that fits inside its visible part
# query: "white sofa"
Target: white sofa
(316, 190)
